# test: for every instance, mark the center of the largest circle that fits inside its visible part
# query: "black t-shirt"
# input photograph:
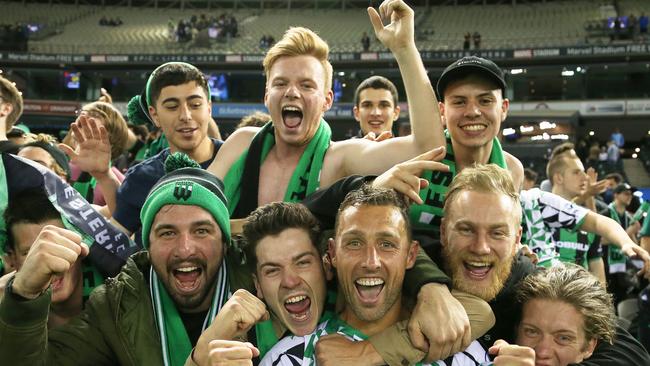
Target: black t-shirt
(193, 323)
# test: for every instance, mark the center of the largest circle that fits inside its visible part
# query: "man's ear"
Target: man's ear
(441, 106)
(589, 350)
(505, 105)
(331, 250)
(412, 254)
(154, 116)
(329, 99)
(258, 288)
(355, 112)
(5, 109)
(327, 266)
(517, 240)
(443, 236)
(396, 113)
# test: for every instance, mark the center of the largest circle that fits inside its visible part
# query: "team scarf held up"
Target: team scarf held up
(243, 176)
(184, 184)
(109, 247)
(427, 216)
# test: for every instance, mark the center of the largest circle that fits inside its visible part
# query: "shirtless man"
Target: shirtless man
(298, 93)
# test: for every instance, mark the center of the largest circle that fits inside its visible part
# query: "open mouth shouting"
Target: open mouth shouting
(369, 289)
(291, 116)
(187, 278)
(298, 307)
(477, 270)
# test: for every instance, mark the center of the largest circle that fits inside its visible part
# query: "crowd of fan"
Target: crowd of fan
(220, 28)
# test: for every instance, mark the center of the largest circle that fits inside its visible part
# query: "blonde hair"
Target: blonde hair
(299, 41)
(484, 178)
(10, 94)
(118, 131)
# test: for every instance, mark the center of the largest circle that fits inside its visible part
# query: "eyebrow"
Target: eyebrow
(174, 99)
(193, 224)
(382, 234)
(492, 226)
(295, 258)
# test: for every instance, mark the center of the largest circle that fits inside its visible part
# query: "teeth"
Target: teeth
(187, 269)
(295, 299)
(474, 127)
(370, 281)
(478, 264)
(292, 109)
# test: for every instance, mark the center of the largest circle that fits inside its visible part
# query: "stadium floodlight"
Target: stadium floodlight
(637, 150)
(568, 73)
(591, 133)
(509, 131)
(634, 156)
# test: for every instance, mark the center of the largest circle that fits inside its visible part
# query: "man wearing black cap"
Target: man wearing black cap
(472, 107)
(615, 260)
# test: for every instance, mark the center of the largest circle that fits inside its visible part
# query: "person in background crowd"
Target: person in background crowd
(530, 179)
(45, 152)
(11, 107)
(375, 107)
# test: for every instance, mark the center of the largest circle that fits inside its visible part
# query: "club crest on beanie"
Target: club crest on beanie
(186, 184)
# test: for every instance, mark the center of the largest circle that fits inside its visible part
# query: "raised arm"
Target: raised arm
(361, 156)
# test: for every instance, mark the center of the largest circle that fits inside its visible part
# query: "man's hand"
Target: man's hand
(105, 96)
(234, 319)
(635, 251)
(371, 136)
(511, 354)
(93, 152)
(405, 177)
(231, 353)
(335, 349)
(238, 315)
(439, 324)
(398, 34)
(595, 186)
(525, 250)
(4, 280)
(52, 254)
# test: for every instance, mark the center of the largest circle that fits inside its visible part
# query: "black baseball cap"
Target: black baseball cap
(622, 188)
(466, 65)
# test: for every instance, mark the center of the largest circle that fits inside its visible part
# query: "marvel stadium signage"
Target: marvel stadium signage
(335, 57)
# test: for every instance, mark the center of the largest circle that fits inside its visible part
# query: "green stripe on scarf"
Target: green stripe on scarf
(305, 178)
(426, 217)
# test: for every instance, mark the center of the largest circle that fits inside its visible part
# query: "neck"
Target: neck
(62, 312)
(285, 152)
(200, 154)
(619, 207)
(371, 328)
(561, 192)
(466, 156)
(3, 130)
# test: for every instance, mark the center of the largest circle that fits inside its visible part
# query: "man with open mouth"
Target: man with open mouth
(371, 252)
(155, 309)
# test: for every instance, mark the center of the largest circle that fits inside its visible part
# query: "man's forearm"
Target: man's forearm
(426, 124)
(609, 229)
(109, 184)
(424, 271)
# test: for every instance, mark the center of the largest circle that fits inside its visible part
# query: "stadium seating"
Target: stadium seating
(145, 30)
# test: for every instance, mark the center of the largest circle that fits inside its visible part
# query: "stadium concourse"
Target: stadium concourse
(307, 101)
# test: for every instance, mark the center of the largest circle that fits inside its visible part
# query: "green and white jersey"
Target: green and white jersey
(615, 258)
(543, 215)
(299, 351)
(578, 247)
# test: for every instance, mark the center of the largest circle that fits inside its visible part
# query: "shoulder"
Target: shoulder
(231, 149)
(152, 165)
(516, 169)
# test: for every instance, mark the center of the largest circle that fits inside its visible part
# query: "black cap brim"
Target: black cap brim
(456, 73)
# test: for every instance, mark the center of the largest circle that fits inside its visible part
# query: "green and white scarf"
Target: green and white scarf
(175, 342)
(427, 216)
(243, 175)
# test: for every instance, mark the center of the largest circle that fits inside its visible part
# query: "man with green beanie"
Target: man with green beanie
(155, 309)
